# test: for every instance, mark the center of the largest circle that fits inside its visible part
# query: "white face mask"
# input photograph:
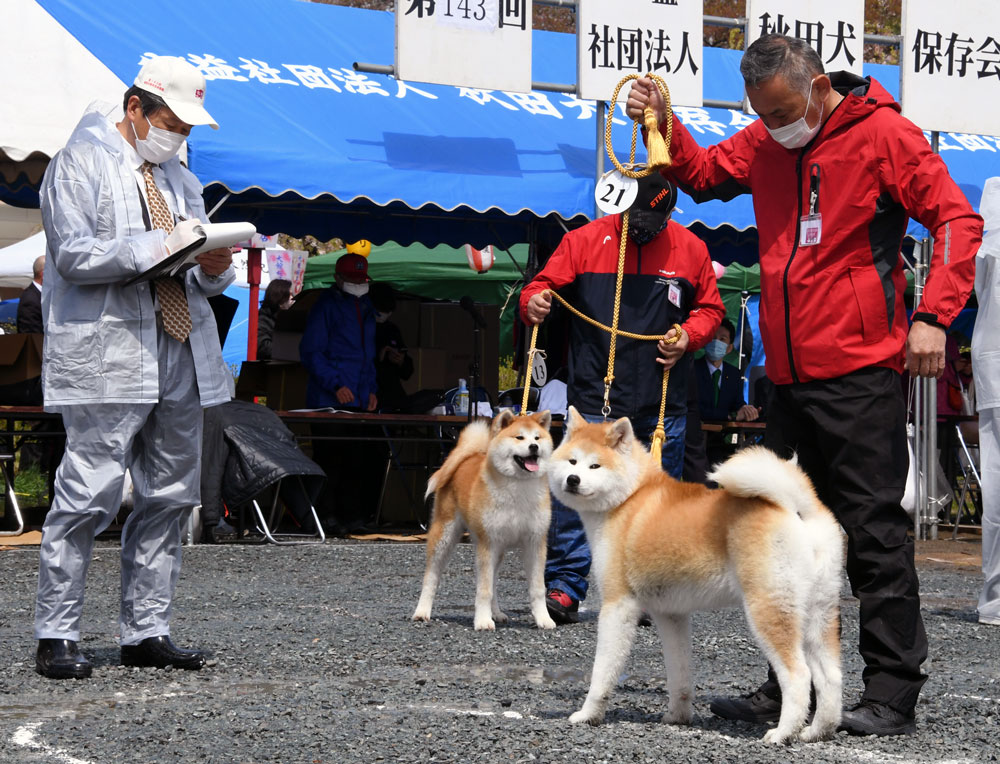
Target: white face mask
(380, 317)
(158, 145)
(798, 133)
(358, 290)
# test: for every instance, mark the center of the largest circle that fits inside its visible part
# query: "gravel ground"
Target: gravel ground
(315, 660)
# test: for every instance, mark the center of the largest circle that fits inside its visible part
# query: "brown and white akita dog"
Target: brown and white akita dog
(493, 484)
(762, 542)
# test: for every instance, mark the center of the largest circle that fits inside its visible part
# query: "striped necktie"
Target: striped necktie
(173, 300)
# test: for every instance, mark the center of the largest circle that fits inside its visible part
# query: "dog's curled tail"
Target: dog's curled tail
(758, 472)
(475, 439)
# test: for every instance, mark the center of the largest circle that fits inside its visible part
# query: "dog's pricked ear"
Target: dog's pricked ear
(573, 419)
(544, 418)
(620, 435)
(501, 420)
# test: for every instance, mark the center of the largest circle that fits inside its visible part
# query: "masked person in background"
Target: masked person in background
(393, 364)
(720, 392)
(128, 367)
(338, 352)
(835, 171)
(277, 297)
(668, 279)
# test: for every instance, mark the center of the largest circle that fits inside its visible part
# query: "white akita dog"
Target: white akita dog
(763, 542)
(493, 483)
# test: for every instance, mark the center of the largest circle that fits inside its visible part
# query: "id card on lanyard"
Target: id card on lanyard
(811, 224)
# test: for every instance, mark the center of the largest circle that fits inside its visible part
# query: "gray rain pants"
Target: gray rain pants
(989, 461)
(161, 446)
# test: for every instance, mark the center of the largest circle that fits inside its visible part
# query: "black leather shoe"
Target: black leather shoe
(160, 652)
(756, 707)
(869, 717)
(61, 659)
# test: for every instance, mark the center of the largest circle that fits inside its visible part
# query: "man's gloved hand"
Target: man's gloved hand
(185, 233)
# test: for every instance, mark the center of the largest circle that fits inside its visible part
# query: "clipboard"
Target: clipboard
(207, 236)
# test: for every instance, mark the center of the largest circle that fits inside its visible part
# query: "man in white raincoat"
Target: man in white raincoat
(986, 372)
(129, 392)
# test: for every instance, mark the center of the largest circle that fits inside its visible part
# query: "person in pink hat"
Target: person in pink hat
(128, 366)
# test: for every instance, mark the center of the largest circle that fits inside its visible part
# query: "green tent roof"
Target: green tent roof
(437, 273)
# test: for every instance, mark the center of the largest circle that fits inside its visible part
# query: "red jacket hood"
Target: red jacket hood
(862, 96)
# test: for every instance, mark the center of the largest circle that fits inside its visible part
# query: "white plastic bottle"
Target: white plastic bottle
(462, 398)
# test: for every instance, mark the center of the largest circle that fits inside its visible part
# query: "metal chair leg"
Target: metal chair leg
(7, 460)
(385, 480)
(287, 539)
(969, 466)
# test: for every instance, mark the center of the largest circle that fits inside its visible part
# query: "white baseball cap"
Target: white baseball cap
(180, 85)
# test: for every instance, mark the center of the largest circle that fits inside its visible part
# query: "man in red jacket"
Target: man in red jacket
(835, 171)
(668, 279)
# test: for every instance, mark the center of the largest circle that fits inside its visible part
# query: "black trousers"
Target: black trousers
(850, 436)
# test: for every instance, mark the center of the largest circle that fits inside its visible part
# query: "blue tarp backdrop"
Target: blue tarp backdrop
(308, 145)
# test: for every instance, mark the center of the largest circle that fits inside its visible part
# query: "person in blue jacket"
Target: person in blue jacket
(338, 352)
(338, 345)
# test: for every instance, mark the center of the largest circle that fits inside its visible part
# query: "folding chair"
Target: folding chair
(250, 453)
(7, 466)
(512, 398)
(268, 525)
(967, 463)
(280, 468)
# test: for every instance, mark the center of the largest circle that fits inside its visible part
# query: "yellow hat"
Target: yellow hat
(361, 247)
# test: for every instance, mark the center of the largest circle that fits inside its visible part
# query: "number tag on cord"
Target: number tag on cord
(539, 371)
(615, 192)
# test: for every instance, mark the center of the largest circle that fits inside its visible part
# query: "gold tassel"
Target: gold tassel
(656, 147)
(656, 444)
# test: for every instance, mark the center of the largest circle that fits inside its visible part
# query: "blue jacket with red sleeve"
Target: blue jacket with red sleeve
(669, 280)
(836, 306)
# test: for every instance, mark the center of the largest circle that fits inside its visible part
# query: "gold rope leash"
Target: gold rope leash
(662, 159)
(658, 149)
(657, 146)
(598, 324)
(532, 351)
(659, 434)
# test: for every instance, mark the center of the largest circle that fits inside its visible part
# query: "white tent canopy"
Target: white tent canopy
(69, 74)
(17, 259)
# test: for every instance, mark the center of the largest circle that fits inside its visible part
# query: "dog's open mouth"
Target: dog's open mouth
(527, 463)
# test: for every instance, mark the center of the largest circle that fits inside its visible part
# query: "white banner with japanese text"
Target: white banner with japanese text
(835, 30)
(468, 43)
(950, 65)
(615, 39)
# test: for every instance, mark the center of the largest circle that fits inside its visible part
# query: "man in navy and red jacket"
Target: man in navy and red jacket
(668, 279)
(835, 171)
